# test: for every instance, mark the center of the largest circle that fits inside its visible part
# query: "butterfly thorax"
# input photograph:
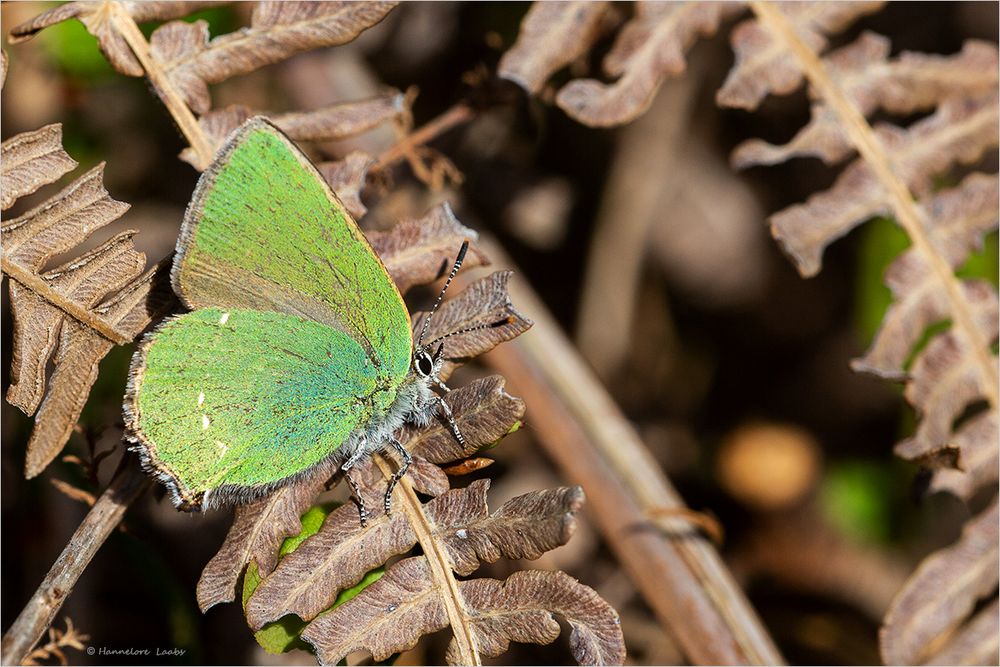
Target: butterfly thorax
(409, 403)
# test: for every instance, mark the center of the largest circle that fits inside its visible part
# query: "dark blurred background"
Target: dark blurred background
(733, 368)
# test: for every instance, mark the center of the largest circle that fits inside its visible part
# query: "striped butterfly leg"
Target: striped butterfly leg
(448, 416)
(355, 489)
(398, 475)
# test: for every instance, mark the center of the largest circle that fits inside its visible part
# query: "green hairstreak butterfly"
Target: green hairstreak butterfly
(298, 347)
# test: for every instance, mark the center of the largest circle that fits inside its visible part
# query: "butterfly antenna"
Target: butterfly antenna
(479, 327)
(447, 283)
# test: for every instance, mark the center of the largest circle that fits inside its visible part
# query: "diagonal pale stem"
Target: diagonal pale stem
(904, 207)
(440, 566)
(39, 286)
(171, 97)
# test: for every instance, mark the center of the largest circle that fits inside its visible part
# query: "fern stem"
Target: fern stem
(44, 290)
(103, 517)
(907, 213)
(440, 566)
(169, 94)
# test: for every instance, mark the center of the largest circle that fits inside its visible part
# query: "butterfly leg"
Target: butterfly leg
(398, 475)
(355, 489)
(450, 418)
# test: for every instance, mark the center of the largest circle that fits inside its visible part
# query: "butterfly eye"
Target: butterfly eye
(423, 364)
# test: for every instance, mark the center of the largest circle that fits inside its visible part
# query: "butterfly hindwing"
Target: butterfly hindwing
(236, 401)
(264, 231)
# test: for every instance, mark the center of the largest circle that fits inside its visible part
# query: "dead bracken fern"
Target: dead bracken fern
(950, 375)
(75, 313)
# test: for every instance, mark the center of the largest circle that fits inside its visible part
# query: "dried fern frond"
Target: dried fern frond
(956, 371)
(75, 313)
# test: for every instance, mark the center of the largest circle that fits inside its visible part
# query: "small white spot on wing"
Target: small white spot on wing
(224, 318)
(223, 448)
(201, 398)
(205, 421)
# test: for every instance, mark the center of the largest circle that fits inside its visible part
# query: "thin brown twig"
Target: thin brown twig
(678, 573)
(100, 521)
(458, 114)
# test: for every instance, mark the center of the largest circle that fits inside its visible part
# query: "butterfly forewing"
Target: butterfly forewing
(264, 231)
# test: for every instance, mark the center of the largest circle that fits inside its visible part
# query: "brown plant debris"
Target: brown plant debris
(95, 16)
(403, 605)
(763, 64)
(58, 641)
(552, 35)
(908, 83)
(647, 50)
(277, 31)
(338, 121)
(75, 313)
(308, 580)
(347, 178)
(255, 536)
(941, 593)
(420, 251)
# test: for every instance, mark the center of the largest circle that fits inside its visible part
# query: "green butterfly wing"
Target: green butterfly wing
(264, 231)
(237, 401)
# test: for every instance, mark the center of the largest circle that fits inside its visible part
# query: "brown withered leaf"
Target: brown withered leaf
(419, 251)
(31, 160)
(552, 35)
(520, 609)
(391, 616)
(308, 580)
(649, 49)
(942, 592)
(347, 178)
(484, 413)
(333, 122)
(907, 83)
(256, 534)
(960, 131)
(976, 643)
(395, 611)
(75, 313)
(95, 16)
(277, 31)
(484, 302)
(524, 527)
(763, 65)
